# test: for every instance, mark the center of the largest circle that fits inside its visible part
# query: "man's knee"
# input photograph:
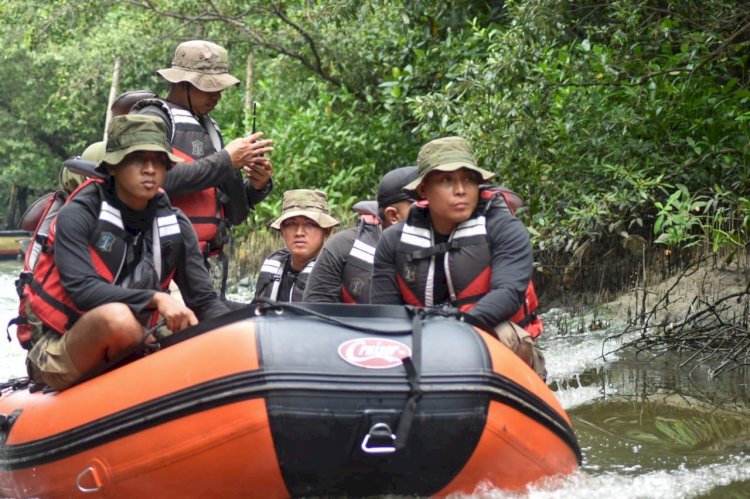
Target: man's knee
(107, 328)
(522, 344)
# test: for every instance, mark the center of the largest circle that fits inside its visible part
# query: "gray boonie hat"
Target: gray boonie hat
(135, 132)
(446, 154)
(203, 64)
(391, 187)
(307, 203)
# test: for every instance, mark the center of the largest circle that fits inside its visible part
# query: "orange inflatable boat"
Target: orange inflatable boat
(289, 400)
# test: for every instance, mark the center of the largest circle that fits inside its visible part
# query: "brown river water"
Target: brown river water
(646, 428)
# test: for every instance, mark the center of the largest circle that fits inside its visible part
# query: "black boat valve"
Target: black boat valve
(379, 440)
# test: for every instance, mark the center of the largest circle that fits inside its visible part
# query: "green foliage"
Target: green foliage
(596, 111)
(609, 118)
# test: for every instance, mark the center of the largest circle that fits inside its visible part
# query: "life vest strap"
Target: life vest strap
(439, 249)
(204, 220)
(71, 314)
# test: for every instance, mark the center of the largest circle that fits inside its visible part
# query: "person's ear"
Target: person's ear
(391, 215)
(420, 191)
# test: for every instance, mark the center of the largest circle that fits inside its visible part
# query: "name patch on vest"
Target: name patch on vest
(357, 286)
(410, 272)
(197, 148)
(106, 239)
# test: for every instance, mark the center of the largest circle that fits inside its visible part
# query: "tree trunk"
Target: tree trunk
(112, 95)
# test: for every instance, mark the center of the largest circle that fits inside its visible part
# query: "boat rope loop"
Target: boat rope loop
(413, 367)
(265, 305)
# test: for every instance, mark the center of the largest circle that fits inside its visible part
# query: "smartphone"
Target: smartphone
(255, 114)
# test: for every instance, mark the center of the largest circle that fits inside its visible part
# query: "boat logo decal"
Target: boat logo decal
(374, 353)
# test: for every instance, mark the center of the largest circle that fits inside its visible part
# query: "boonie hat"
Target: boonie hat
(391, 187)
(94, 152)
(70, 180)
(308, 203)
(446, 154)
(201, 63)
(135, 132)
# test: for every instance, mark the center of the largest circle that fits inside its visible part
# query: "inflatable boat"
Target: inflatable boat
(290, 400)
(11, 243)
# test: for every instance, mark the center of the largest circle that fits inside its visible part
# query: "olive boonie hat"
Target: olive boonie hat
(135, 132)
(391, 187)
(446, 155)
(203, 64)
(307, 203)
(69, 180)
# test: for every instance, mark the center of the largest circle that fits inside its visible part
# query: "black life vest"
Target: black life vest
(272, 273)
(355, 279)
(466, 258)
(108, 247)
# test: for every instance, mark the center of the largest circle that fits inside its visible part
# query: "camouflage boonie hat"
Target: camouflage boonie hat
(446, 155)
(203, 64)
(135, 132)
(307, 203)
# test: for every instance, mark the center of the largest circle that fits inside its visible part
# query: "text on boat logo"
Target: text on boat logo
(374, 353)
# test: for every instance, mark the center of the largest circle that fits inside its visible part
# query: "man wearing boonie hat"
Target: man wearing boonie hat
(210, 188)
(461, 246)
(115, 246)
(304, 224)
(343, 269)
(69, 180)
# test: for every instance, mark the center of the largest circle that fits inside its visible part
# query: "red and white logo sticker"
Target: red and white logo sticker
(373, 353)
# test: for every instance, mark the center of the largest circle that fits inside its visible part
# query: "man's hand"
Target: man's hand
(176, 315)
(244, 150)
(259, 171)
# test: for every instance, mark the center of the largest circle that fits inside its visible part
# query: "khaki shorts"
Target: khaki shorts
(48, 362)
(522, 344)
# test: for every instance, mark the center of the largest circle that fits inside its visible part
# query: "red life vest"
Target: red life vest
(466, 259)
(191, 141)
(45, 294)
(38, 220)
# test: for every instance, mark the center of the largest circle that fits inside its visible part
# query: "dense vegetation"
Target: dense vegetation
(618, 121)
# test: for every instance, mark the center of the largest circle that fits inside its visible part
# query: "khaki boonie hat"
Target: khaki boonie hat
(135, 132)
(308, 203)
(201, 63)
(446, 155)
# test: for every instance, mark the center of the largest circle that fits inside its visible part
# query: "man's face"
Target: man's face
(138, 177)
(203, 102)
(303, 238)
(453, 196)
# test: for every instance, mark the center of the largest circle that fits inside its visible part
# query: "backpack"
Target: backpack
(37, 219)
(526, 317)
